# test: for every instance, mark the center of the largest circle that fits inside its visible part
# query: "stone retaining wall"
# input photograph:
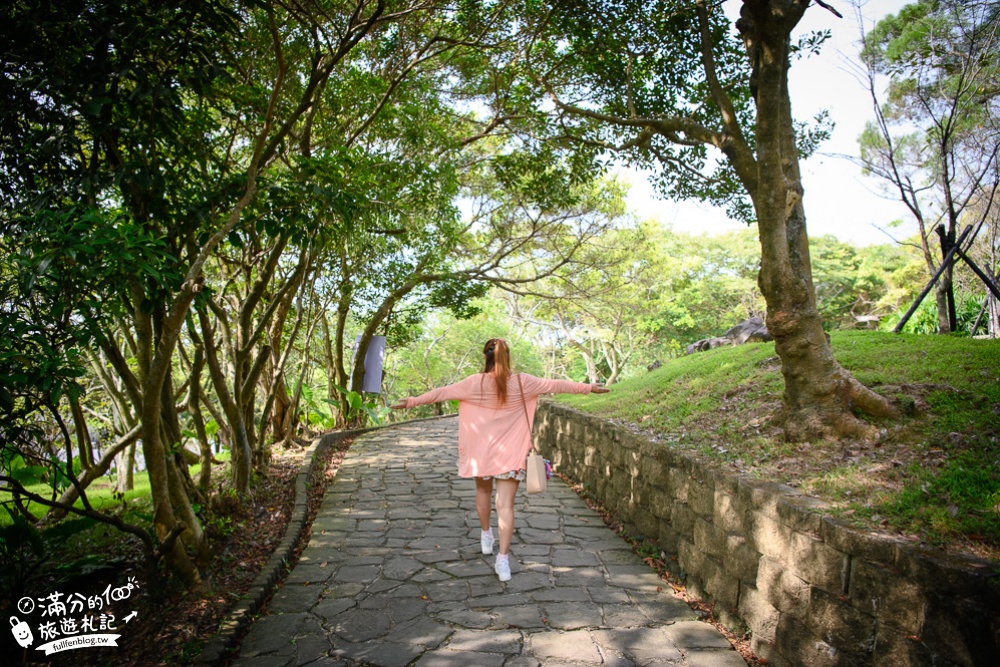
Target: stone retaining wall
(812, 591)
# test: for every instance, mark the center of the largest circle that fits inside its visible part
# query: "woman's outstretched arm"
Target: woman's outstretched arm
(452, 392)
(534, 386)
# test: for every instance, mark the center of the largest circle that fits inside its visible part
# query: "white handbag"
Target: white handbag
(538, 481)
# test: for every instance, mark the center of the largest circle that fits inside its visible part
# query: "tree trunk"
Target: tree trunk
(941, 301)
(194, 409)
(241, 454)
(993, 311)
(83, 442)
(331, 371)
(588, 357)
(819, 395)
(129, 469)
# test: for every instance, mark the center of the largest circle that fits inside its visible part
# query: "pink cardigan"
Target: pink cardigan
(493, 438)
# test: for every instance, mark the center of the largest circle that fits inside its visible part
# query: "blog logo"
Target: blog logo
(22, 633)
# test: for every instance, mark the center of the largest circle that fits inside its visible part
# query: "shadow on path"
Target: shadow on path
(393, 576)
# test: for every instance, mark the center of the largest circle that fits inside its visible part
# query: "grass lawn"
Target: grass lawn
(100, 493)
(933, 475)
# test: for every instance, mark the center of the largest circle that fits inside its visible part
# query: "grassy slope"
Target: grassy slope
(934, 475)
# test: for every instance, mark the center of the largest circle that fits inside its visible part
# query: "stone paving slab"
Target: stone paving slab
(393, 577)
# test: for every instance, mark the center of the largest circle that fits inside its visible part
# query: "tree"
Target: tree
(935, 139)
(664, 83)
(190, 121)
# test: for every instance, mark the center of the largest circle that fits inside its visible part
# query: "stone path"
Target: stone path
(393, 576)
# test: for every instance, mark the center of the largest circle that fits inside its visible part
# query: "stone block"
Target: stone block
(728, 514)
(691, 559)
(961, 631)
(767, 650)
(839, 624)
(867, 545)
(722, 586)
(708, 538)
(679, 482)
(740, 559)
(818, 563)
(648, 525)
(800, 513)
(615, 458)
(964, 576)
(758, 496)
(660, 502)
(664, 455)
(878, 590)
(781, 588)
(647, 455)
(724, 481)
(667, 537)
(769, 536)
(623, 508)
(701, 498)
(682, 519)
(631, 442)
(893, 649)
(799, 646)
(695, 586)
(652, 471)
(759, 615)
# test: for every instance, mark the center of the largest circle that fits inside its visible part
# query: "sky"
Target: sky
(838, 199)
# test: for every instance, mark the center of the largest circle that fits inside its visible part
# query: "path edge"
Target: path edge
(217, 648)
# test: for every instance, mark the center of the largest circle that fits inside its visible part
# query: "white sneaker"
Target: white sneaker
(503, 569)
(486, 541)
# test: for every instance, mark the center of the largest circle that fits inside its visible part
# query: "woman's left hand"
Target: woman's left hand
(399, 406)
(598, 389)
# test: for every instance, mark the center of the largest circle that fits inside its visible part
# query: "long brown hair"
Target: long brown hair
(497, 356)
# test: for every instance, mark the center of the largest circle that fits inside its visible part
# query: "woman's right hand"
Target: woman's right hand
(598, 389)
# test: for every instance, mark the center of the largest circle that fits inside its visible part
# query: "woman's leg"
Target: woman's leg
(484, 493)
(506, 492)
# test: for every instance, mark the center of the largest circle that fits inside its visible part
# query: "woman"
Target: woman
(495, 411)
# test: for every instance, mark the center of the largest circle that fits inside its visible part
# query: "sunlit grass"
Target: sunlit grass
(102, 497)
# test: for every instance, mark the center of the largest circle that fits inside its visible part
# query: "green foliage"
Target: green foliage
(923, 321)
(358, 405)
(59, 271)
(644, 60)
(853, 280)
(316, 413)
(27, 554)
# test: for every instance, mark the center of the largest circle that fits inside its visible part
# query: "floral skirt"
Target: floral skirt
(519, 475)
